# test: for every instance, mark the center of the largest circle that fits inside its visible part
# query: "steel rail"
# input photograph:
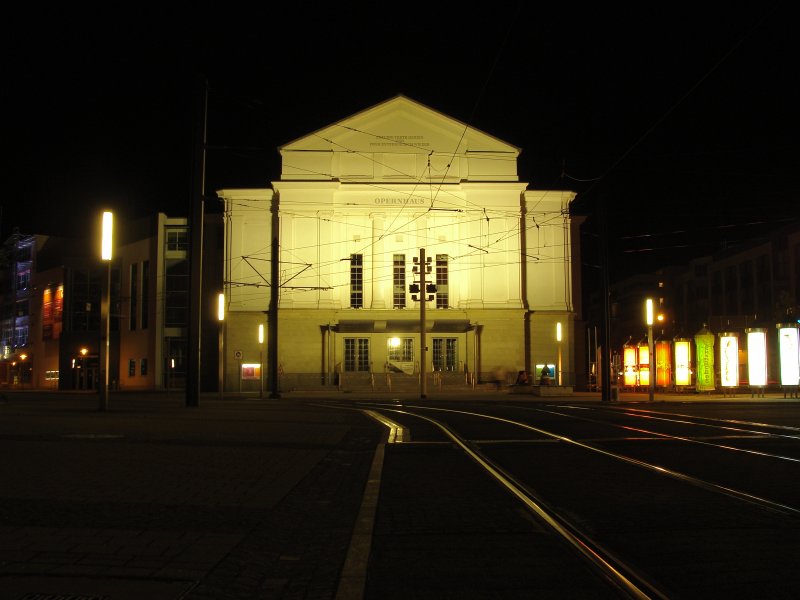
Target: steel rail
(764, 503)
(632, 412)
(677, 437)
(613, 569)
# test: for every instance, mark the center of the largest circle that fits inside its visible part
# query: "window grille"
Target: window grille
(442, 291)
(356, 354)
(444, 354)
(399, 281)
(356, 281)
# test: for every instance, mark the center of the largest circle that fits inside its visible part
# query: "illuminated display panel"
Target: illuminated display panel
(790, 362)
(683, 358)
(629, 365)
(644, 364)
(663, 363)
(251, 371)
(756, 357)
(704, 343)
(728, 359)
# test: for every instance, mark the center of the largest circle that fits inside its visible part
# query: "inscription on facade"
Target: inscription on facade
(385, 201)
(400, 140)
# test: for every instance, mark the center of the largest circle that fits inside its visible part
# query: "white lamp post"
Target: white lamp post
(649, 319)
(558, 341)
(260, 360)
(106, 244)
(221, 346)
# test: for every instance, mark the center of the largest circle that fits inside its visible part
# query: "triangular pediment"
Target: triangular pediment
(400, 125)
(399, 140)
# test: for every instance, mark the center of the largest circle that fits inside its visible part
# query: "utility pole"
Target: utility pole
(274, 296)
(605, 361)
(422, 268)
(423, 296)
(196, 212)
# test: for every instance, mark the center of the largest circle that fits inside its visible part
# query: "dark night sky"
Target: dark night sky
(681, 119)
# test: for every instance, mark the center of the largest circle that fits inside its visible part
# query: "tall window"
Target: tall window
(442, 295)
(401, 350)
(177, 239)
(21, 336)
(134, 293)
(23, 278)
(145, 293)
(444, 354)
(399, 281)
(356, 281)
(176, 293)
(356, 354)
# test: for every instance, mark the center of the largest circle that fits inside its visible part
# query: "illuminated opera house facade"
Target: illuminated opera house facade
(358, 204)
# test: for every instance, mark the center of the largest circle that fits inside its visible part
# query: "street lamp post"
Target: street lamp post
(558, 340)
(649, 317)
(221, 348)
(260, 360)
(22, 358)
(105, 306)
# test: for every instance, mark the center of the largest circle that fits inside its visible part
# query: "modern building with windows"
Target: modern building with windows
(396, 205)
(51, 309)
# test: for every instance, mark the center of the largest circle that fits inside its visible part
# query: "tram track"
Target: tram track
(581, 530)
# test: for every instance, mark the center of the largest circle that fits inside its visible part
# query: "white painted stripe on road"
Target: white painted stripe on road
(397, 433)
(354, 573)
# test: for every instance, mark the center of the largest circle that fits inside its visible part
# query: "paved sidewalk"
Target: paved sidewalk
(238, 498)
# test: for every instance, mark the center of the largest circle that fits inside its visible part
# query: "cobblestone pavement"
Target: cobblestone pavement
(233, 499)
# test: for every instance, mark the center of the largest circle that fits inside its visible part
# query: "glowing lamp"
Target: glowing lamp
(789, 345)
(394, 342)
(663, 363)
(756, 357)
(729, 359)
(221, 307)
(108, 230)
(260, 333)
(683, 358)
(629, 365)
(644, 363)
(704, 350)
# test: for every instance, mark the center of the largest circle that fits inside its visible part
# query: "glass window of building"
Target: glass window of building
(177, 240)
(21, 336)
(356, 281)
(442, 276)
(399, 281)
(23, 278)
(401, 350)
(444, 354)
(176, 293)
(134, 283)
(356, 354)
(145, 294)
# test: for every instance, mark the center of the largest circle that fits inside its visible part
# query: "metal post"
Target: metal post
(221, 343)
(274, 297)
(650, 360)
(221, 365)
(105, 328)
(651, 385)
(423, 384)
